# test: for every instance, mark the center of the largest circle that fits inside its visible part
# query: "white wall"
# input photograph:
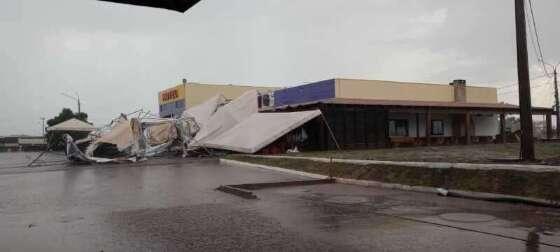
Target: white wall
(485, 125)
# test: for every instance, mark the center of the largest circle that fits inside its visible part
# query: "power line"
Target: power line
(535, 30)
(534, 46)
(535, 86)
(515, 84)
(532, 37)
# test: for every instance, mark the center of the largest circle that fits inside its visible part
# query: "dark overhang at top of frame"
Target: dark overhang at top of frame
(176, 5)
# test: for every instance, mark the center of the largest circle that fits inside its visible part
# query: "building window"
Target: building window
(437, 127)
(266, 100)
(398, 128)
(178, 104)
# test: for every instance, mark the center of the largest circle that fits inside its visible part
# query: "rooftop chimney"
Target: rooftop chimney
(460, 90)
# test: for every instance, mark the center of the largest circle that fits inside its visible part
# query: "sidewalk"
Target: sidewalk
(528, 181)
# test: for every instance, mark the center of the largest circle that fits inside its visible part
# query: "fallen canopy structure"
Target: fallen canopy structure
(239, 127)
(236, 126)
(225, 117)
(259, 130)
(131, 139)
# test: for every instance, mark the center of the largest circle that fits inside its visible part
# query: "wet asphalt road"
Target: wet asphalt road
(171, 205)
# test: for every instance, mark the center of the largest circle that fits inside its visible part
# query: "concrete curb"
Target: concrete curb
(420, 189)
(259, 186)
(433, 165)
(338, 180)
(237, 191)
(278, 169)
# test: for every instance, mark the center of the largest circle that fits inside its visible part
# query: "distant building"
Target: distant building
(374, 113)
(173, 101)
(22, 143)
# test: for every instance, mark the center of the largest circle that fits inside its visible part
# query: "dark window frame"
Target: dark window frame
(405, 121)
(433, 133)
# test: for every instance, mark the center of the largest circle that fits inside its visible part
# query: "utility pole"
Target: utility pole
(43, 119)
(75, 98)
(557, 104)
(527, 141)
(79, 104)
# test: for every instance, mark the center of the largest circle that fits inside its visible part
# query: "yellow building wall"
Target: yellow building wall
(391, 90)
(196, 93)
(482, 95)
(164, 95)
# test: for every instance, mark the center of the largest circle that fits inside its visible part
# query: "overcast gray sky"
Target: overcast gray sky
(118, 56)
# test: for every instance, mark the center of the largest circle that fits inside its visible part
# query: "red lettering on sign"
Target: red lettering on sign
(170, 95)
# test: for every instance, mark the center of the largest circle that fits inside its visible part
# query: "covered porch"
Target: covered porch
(363, 124)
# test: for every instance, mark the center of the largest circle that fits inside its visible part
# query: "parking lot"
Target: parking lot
(172, 205)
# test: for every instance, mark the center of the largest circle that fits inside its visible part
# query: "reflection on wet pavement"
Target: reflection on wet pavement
(171, 205)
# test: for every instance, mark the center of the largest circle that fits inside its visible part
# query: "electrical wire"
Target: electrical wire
(535, 86)
(515, 84)
(536, 32)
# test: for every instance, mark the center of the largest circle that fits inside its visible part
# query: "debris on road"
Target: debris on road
(131, 140)
(236, 126)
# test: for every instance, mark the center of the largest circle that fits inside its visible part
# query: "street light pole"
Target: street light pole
(527, 141)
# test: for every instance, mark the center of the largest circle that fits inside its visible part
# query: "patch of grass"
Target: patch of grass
(544, 185)
(480, 153)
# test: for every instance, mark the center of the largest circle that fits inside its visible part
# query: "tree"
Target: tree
(54, 139)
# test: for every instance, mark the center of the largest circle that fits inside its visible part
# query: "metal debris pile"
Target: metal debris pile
(235, 126)
(133, 137)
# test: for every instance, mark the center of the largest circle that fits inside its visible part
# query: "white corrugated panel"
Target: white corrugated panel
(228, 116)
(259, 130)
(204, 111)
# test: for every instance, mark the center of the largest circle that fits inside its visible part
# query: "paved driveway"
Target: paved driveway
(171, 205)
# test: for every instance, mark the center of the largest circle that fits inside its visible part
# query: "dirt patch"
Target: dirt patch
(544, 185)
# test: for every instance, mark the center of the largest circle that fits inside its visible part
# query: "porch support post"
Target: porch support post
(548, 126)
(428, 126)
(468, 127)
(417, 126)
(365, 125)
(322, 139)
(503, 127)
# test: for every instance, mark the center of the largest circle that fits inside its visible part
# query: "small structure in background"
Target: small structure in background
(72, 125)
(22, 143)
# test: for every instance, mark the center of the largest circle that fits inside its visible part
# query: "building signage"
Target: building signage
(170, 95)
